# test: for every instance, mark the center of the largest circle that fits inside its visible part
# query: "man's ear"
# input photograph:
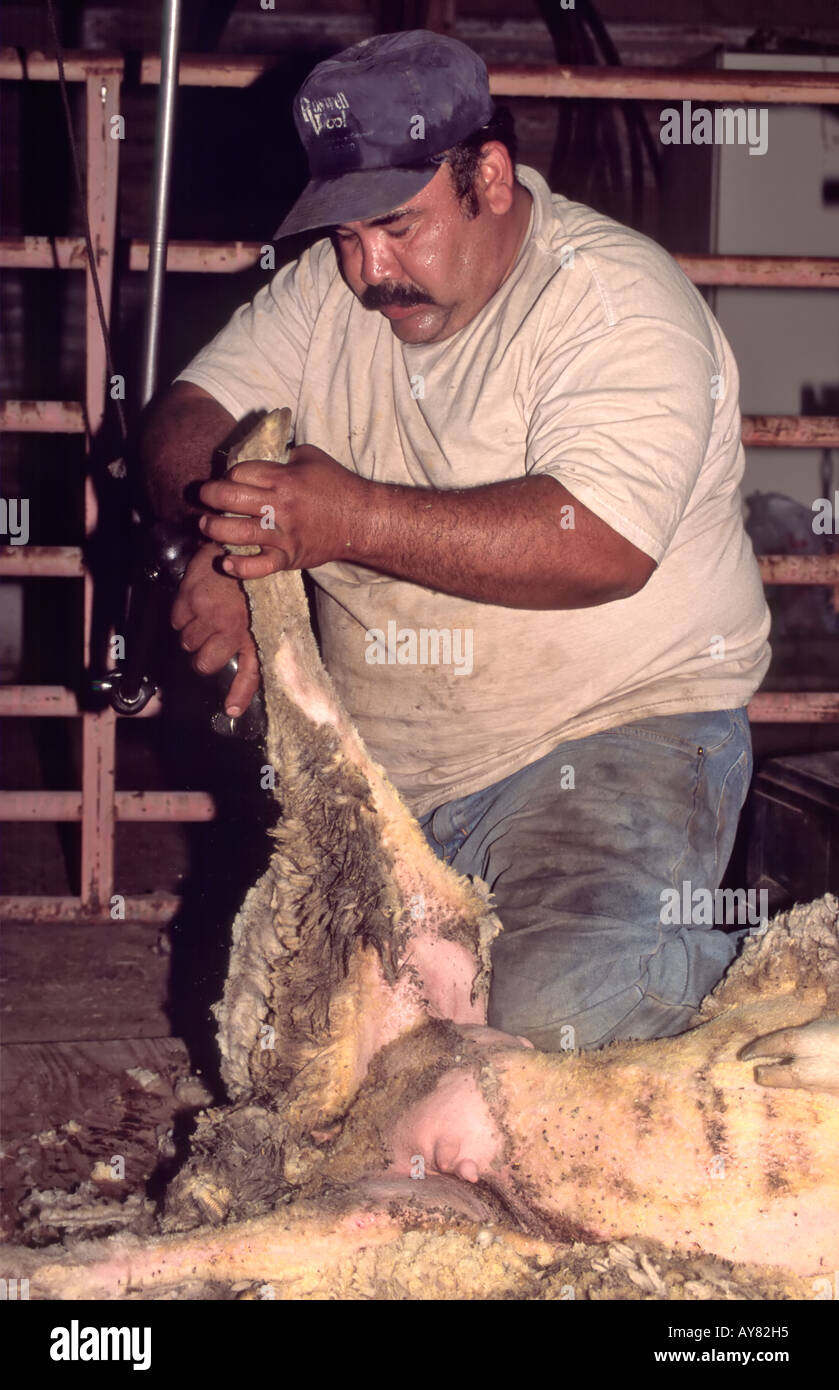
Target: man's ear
(496, 177)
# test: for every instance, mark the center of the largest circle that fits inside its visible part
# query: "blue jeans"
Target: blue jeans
(577, 849)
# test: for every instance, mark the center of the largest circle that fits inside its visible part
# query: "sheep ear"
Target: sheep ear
(269, 439)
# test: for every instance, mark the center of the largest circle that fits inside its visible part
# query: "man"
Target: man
(516, 488)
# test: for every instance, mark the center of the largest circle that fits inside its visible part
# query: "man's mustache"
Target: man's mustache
(386, 296)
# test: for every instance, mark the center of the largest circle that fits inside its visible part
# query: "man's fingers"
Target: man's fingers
(194, 633)
(224, 495)
(245, 682)
(214, 653)
(255, 472)
(256, 566)
(182, 612)
(234, 530)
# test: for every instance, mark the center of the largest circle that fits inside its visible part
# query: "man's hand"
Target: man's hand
(301, 513)
(211, 614)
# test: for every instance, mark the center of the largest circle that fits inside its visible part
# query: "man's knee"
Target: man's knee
(567, 991)
(648, 1018)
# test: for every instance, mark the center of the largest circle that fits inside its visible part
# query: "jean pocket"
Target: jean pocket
(688, 733)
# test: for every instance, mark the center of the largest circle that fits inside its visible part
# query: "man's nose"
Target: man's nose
(378, 262)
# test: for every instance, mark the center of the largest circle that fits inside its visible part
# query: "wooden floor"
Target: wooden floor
(96, 1096)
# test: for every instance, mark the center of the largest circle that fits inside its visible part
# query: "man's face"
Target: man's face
(425, 266)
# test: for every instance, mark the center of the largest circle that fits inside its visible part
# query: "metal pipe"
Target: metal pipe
(768, 431)
(164, 137)
(40, 700)
(42, 417)
(657, 84)
(779, 272)
(42, 562)
(506, 79)
(154, 907)
(790, 431)
(794, 707)
(68, 253)
(46, 701)
(555, 80)
(799, 569)
(66, 562)
(129, 806)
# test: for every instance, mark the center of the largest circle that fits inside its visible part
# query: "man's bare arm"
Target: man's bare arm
(181, 433)
(526, 543)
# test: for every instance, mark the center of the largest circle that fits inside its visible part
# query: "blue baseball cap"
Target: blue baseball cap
(374, 120)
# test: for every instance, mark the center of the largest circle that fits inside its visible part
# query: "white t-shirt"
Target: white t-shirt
(596, 362)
